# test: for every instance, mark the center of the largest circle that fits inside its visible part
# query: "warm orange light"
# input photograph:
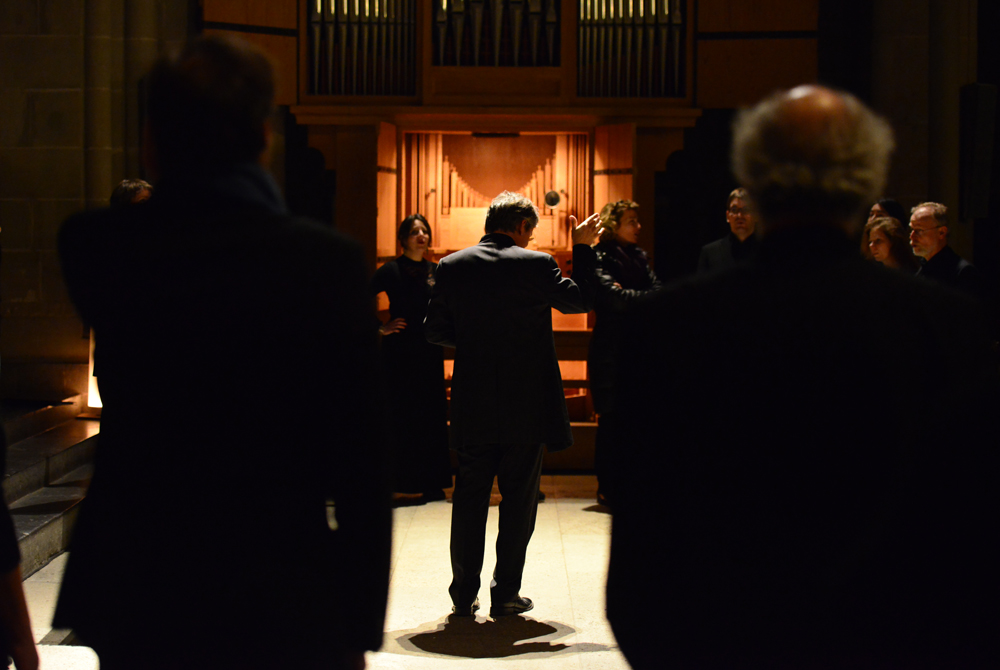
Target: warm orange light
(93, 395)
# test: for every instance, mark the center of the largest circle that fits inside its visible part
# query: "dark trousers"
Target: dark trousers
(605, 458)
(518, 469)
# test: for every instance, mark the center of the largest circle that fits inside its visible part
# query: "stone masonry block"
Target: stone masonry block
(54, 119)
(100, 177)
(12, 106)
(18, 17)
(52, 287)
(16, 224)
(41, 173)
(41, 61)
(99, 118)
(105, 17)
(19, 283)
(142, 19)
(104, 64)
(61, 17)
(49, 216)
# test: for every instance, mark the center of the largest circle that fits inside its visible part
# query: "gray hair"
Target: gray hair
(508, 210)
(938, 211)
(829, 167)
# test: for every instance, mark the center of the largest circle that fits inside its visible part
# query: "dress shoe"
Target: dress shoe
(541, 495)
(466, 610)
(516, 605)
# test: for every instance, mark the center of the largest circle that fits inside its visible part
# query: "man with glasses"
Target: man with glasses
(739, 245)
(929, 239)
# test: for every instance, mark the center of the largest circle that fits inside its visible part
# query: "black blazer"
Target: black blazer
(238, 380)
(725, 253)
(815, 477)
(493, 302)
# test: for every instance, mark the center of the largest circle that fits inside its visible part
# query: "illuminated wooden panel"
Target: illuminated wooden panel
(736, 73)
(756, 15)
(270, 13)
(613, 170)
(471, 85)
(283, 51)
(569, 370)
(387, 187)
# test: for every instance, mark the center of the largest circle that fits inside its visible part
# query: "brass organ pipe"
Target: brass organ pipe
(497, 6)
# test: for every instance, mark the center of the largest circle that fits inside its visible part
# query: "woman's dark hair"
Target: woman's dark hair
(125, 193)
(893, 209)
(899, 241)
(611, 217)
(406, 227)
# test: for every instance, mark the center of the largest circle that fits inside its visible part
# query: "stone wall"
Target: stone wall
(69, 131)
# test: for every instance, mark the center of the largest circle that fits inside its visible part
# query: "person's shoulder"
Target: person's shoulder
(716, 245)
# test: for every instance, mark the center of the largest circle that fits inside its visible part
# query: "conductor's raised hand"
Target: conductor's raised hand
(587, 232)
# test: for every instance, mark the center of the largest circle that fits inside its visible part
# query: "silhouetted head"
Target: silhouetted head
(513, 214)
(888, 207)
(811, 155)
(130, 192)
(209, 105)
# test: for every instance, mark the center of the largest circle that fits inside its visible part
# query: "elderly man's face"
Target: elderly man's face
(740, 218)
(927, 236)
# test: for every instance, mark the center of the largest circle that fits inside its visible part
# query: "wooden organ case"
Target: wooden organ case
(435, 106)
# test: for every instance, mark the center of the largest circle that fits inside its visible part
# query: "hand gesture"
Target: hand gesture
(393, 326)
(587, 232)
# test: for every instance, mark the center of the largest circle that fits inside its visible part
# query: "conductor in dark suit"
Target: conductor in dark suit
(236, 369)
(493, 302)
(739, 245)
(818, 488)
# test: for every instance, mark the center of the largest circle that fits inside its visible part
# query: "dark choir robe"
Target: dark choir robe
(414, 372)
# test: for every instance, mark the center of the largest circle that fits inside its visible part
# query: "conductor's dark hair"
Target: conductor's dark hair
(508, 210)
(209, 105)
(127, 191)
(406, 227)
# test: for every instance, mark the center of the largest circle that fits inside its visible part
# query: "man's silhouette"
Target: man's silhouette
(493, 302)
(817, 489)
(236, 371)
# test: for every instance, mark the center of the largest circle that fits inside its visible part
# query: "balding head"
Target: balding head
(811, 156)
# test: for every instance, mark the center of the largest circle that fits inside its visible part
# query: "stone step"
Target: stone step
(44, 519)
(37, 461)
(23, 418)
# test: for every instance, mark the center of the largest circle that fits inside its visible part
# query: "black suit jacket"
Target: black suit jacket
(816, 483)
(237, 377)
(725, 253)
(493, 302)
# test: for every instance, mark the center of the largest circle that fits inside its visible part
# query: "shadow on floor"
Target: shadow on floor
(469, 637)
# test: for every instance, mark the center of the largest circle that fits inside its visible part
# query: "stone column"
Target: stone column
(952, 64)
(102, 99)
